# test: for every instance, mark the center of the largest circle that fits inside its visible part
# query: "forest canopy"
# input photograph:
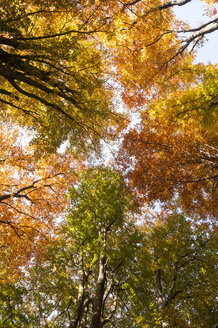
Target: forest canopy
(108, 165)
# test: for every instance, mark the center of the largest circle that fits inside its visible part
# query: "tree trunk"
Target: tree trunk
(160, 301)
(81, 296)
(98, 299)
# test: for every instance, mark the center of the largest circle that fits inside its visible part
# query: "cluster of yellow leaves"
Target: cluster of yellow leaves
(195, 99)
(142, 43)
(52, 76)
(211, 2)
(32, 199)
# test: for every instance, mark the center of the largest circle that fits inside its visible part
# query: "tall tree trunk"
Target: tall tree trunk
(160, 301)
(159, 291)
(83, 322)
(81, 296)
(98, 299)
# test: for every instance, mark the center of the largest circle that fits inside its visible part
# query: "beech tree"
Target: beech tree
(173, 282)
(32, 197)
(52, 72)
(153, 50)
(99, 225)
(171, 156)
(80, 281)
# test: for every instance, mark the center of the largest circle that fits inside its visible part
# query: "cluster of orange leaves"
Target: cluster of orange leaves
(32, 199)
(164, 161)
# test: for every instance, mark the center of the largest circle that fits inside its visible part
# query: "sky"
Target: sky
(193, 13)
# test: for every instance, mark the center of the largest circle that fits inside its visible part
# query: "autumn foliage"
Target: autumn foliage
(108, 165)
(33, 196)
(170, 162)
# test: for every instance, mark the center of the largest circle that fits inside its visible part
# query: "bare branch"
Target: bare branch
(173, 3)
(164, 6)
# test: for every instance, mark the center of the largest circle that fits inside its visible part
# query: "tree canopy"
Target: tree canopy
(108, 165)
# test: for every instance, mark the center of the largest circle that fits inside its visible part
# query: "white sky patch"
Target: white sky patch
(63, 147)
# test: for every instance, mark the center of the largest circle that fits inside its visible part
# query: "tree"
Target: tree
(173, 281)
(171, 155)
(98, 222)
(31, 200)
(162, 275)
(52, 72)
(105, 264)
(151, 48)
(56, 58)
(81, 279)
